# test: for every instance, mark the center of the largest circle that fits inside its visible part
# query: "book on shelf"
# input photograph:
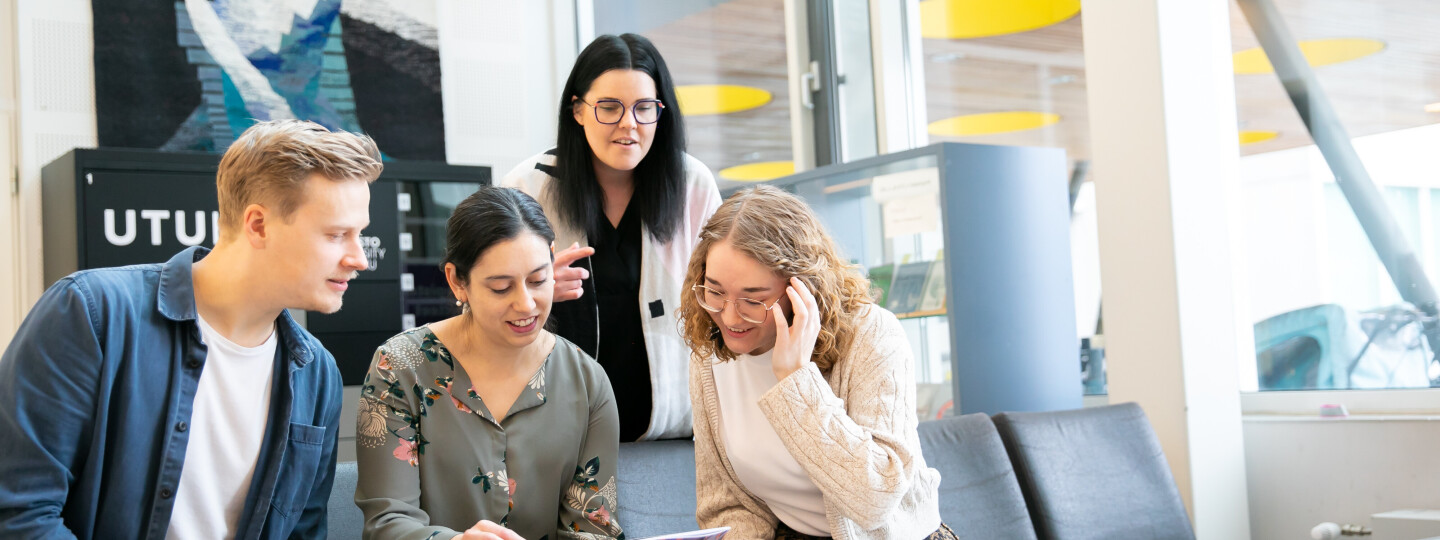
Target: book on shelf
(933, 298)
(907, 288)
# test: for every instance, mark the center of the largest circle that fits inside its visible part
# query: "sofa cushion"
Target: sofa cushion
(979, 494)
(1095, 473)
(344, 519)
(656, 482)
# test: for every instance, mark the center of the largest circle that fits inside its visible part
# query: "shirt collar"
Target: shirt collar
(177, 286)
(177, 302)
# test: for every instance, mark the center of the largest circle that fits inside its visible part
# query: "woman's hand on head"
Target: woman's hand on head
(569, 282)
(487, 530)
(795, 341)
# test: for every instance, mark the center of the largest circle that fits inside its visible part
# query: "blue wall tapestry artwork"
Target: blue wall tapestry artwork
(194, 74)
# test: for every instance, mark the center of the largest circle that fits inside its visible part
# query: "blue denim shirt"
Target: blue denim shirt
(96, 392)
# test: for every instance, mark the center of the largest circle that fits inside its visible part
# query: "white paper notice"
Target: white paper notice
(906, 185)
(911, 216)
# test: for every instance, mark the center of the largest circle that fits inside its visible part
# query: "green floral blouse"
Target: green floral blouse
(433, 461)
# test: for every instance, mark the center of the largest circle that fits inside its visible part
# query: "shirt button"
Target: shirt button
(165, 493)
(192, 364)
(181, 426)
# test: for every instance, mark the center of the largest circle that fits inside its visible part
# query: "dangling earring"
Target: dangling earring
(464, 307)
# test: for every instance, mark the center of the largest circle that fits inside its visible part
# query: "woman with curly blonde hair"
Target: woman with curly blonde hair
(802, 387)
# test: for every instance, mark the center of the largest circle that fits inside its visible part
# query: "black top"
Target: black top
(615, 271)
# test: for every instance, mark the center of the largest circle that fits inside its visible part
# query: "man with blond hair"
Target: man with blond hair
(180, 399)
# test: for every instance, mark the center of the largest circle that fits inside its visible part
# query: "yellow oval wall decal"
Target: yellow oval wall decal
(989, 123)
(758, 172)
(703, 99)
(964, 19)
(1318, 52)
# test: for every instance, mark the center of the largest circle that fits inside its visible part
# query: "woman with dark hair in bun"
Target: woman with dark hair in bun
(619, 185)
(469, 428)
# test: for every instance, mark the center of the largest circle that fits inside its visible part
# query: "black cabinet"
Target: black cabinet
(430, 203)
(115, 207)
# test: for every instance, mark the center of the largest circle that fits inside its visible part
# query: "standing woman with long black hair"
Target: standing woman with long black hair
(620, 190)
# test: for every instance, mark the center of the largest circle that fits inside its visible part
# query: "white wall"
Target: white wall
(10, 309)
(56, 112)
(503, 64)
(1302, 472)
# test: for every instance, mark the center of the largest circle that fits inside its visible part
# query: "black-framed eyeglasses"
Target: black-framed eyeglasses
(749, 309)
(610, 111)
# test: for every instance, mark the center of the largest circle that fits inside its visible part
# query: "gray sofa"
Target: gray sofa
(1085, 474)
(345, 519)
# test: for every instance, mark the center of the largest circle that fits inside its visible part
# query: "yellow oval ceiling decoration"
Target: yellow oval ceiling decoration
(758, 172)
(965, 19)
(705, 99)
(1254, 136)
(1318, 52)
(991, 123)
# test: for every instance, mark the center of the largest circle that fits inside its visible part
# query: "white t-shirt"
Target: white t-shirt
(759, 458)
(227, 427)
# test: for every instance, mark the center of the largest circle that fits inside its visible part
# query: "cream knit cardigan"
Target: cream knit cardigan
(853, 431)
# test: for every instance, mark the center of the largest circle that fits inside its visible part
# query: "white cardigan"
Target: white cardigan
(662, 272)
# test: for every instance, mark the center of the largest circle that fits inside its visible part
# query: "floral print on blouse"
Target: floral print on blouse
(433, 461)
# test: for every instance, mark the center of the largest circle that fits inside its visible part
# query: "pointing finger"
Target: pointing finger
(572, 254)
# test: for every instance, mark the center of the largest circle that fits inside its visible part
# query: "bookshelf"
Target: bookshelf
(918, 314)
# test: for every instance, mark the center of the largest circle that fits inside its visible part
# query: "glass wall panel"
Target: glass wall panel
(1328, 314)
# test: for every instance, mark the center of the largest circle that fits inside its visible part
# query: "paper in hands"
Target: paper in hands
(707, 534)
